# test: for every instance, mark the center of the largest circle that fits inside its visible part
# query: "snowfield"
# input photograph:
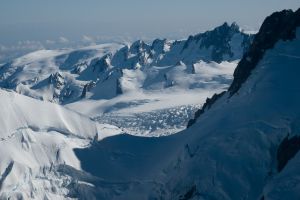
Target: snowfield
(117, 83)
(35, 138)
(100, 122)
(231, 152)
(133, 109)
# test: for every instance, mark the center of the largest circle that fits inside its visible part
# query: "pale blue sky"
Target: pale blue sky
(41, 20)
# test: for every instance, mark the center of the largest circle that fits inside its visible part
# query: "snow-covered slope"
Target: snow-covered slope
(233, 147)
(243, 146)
(36, 137)
(51, 74)
(150, 96)
(68, 75)
(133, 86)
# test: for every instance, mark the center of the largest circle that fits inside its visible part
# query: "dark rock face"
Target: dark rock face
(162, 52)
(102, 64)
(158, 45)
(78, 68)
(287, 149)
(219, 40)
(119, 88)
(120, 57)
(279, 26)
(87, 87)
(209, 102)
(191, 193)
(57, 80)
(138, 47)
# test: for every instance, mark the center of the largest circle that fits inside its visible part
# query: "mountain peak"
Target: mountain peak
(225, 26)
(138, 46)
(235, 26)
(278, 26)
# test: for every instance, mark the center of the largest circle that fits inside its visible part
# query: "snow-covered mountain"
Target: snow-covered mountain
(243, 145)
(133, 86)
(51, 74)
(64, 76)
(36, 139)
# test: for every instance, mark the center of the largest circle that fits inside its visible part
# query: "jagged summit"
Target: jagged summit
(246, 143)
(243, 145)
(279, 26)
(79, 67)
(123, 74)
(228, 27)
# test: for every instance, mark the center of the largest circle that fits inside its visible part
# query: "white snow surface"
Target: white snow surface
(36, 137)
(229, 153)
(56, 142)
(142, 108)
(30, 74)
(138, 98)
(146, 89)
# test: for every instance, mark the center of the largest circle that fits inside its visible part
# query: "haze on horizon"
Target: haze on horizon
(35, 24)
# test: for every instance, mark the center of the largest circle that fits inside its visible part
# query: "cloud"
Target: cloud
(86, 38)
(2, 47)
(63, 39)
(50, 42)
(18, 49)
(23, 45)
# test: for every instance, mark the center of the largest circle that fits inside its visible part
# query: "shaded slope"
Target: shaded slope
(35, 138)
(279, 26)
(230, 150)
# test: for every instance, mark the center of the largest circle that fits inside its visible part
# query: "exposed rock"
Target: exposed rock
(158, 46)
(192, 192)
(279, 26)
(102, 64)
(87, 87)
(138, 47)
(57, 80)
(219, 40)
(119, 88)
(287, 149)
(78, 68)
(209, 102)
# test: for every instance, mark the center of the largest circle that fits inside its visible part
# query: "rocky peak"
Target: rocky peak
(102, 64)
(234, 27)
(223, 31)
(87, 87)
(56, 79)
(278, 26)
(138, 47)
(158, 45)
(219, 41)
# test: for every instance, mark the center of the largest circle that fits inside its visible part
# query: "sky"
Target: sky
(39, 23)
